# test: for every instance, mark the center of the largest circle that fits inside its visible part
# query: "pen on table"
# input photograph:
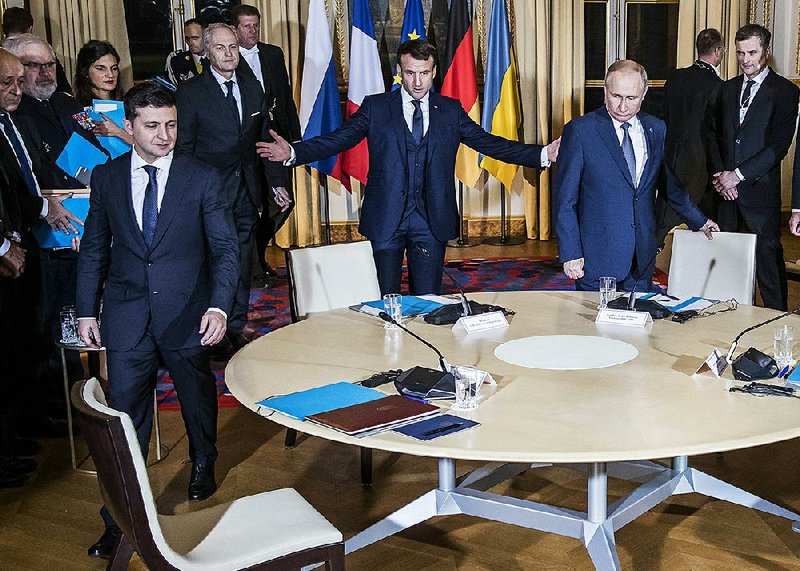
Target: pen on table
(444, 428)
(416, 399)
(784, 372)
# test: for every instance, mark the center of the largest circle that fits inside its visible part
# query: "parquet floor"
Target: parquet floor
(49, 523)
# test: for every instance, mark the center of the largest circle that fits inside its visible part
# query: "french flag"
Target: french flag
(320, 107)
(365, 79)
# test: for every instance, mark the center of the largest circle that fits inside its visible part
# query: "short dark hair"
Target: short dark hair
(147, 94)
(754, 31)
(92, 51)
(191, 21)
(707, 41)
(243, 10)
(16, 21)
(417, 49)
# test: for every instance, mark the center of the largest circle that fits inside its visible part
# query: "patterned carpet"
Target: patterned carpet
(269, 308)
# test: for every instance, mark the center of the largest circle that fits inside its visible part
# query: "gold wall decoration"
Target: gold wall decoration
(767, 14)
(340, 37)
(752, 6)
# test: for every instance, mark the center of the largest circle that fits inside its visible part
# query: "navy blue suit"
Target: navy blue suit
(383, 212)
(600, 215)
(155, 297)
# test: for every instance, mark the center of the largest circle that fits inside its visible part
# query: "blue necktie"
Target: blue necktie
(417, 126)
(27, 173)
(232, 100)
(627, 151)
(150, 206)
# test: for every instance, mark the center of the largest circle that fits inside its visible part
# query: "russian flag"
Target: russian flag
(365, 79)
(413, 29)
(501, 109)
(460, 82)
(320, 107)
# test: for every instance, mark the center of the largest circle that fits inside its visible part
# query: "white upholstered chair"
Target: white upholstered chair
(722, 268)
(322, 278)
(270, 530)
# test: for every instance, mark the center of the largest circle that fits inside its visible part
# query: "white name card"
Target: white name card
(715, 363)
(623, 317)
(481, 322)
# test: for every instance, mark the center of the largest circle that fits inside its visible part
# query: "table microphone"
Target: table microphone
(445, 366)
(757, 326)
(655, 309)
(464, 300)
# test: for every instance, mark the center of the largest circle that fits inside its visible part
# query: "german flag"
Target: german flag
(460, 82)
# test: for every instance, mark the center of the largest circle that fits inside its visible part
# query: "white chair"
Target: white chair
(270, 530)
(722, 268)
(322, 278)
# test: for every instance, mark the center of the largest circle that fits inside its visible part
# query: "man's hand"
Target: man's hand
(12, 263)
(278, 151)
(794, 223)
(709, 227)
(212, 328)
(725, 183)
(59, 218)
(75, 244)
(89, 332)
(552, 150)
(574, 268)
(282, 198)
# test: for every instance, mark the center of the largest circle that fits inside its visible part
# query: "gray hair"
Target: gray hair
(627, 65)
(209, 31)
(18, 45)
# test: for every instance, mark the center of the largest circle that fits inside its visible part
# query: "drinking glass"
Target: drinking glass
(393, 306)
(783, 343)
(69, 325)
(466, 381)
(608, 291)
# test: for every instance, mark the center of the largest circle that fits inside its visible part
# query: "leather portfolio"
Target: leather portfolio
(366, 417)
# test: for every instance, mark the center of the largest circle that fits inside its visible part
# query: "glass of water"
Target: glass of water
(69, 325)
(608, 291)
(782, 345)
(393, 306)
(467, 384)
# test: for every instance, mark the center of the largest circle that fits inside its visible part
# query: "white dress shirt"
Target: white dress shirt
(636, 131)
(237, 95)
(251, 57)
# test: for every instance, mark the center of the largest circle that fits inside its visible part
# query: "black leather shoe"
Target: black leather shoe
(105, 545)
(202, 484)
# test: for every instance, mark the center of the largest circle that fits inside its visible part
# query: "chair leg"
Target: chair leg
(123, 551)
(335, 560)
(366, 466)
(291, 438)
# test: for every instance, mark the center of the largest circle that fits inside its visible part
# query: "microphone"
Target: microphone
(711, 265)
(443, 364)
(655, 309)
(757, 326)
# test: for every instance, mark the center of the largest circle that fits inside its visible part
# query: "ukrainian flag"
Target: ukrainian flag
(501, 109)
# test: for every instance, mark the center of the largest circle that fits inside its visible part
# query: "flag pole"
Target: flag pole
(326, 210)
(504, 239)
(462, 241)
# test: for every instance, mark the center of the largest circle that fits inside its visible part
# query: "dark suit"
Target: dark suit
(756, 148)
(155, 297)
(692, 115)
(600, 215)
(387, 194)
(209, 131)
(283, 115)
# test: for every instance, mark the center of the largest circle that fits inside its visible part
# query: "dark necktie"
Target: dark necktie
(627, 151)
(417, 126)
(232, 100)
(150, 206)
(746, 93)
(19, 150)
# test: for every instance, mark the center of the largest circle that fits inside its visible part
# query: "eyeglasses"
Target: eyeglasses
(49, 66)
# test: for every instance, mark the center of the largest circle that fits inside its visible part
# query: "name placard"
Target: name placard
(481, 322)
(623, 317)
(715, 363)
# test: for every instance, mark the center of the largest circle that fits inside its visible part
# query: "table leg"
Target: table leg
(69, 410)
(157, 426)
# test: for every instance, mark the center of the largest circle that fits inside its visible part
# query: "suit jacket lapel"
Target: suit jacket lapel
(605, 129)
(399, 124)
(250, 96)
(433, 121)
(173, 196)
(761, 99)
(734, 101)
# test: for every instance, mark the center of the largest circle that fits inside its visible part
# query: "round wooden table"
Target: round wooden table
(610, 421)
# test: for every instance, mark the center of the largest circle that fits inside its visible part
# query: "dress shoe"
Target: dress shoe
(105, 545)
(269, 270)
(202, 484)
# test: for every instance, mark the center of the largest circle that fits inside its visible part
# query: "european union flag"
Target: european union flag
(413, 29)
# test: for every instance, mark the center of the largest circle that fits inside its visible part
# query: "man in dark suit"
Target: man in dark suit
(160, 238)
(221, 115)
(759, 112)
(692, 115)
(611, 162)
(266, 63)
(413, 135)
(185, 64)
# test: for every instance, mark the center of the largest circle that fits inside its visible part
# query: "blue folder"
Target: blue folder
(49, 238)
(437, 426)
(301, 404)
(114, 145)
(79, 153)
(412, 305)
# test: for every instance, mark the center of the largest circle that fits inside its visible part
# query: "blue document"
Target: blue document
(115, 111)
(412, 305)
(301, 404)
(79, 154)
(49, 238)
(437, 426)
